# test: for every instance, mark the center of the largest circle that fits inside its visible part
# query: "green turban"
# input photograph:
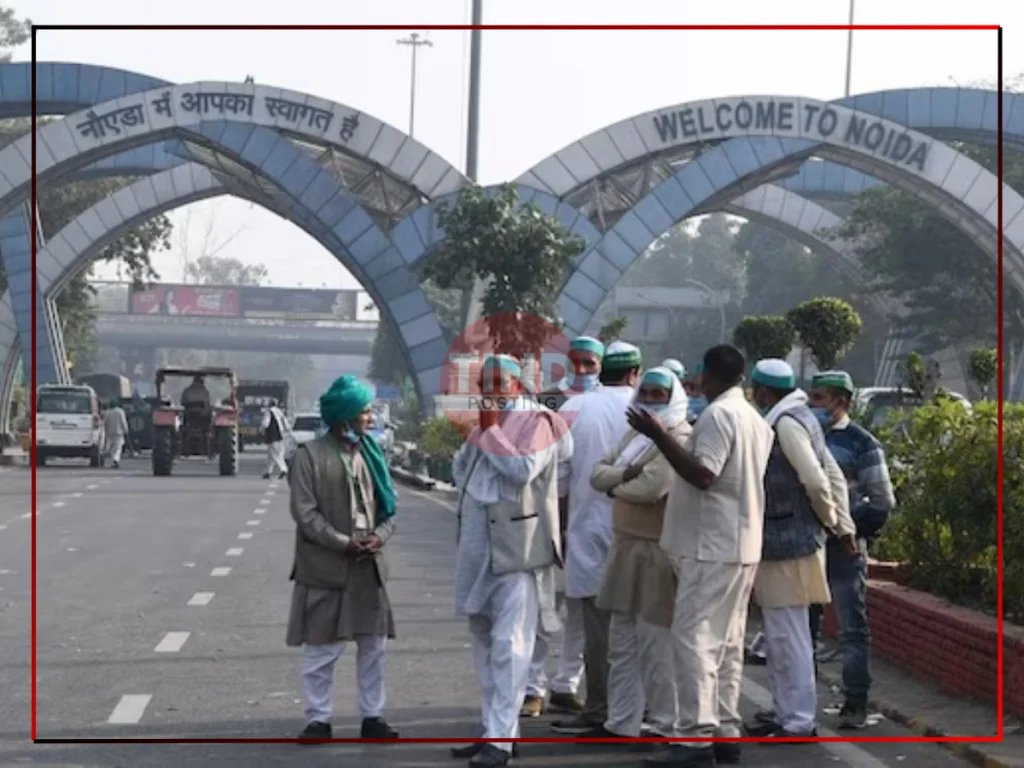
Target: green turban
(346, 399)
(840, 380)
(587, 344)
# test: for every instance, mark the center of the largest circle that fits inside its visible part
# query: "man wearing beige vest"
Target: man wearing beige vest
(639, 588)
(509, 547)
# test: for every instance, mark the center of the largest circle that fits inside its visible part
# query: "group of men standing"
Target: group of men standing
(663, 501)
(669, 502)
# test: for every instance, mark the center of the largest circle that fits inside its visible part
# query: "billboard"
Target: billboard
(189, 300)
(299, 304)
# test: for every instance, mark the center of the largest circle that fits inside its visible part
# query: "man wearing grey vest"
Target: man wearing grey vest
(805, 498)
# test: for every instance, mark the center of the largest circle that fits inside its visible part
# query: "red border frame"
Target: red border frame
(552, 28)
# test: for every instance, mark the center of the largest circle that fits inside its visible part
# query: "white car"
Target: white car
(68, 424)
(878, 402)
(306, 427)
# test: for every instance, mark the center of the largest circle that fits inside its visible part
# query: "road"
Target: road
(122, 554)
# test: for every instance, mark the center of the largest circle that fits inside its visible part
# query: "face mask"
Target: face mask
(697, 405)
(510, 404)
(655, 408)
(824, 416)
(590, 380)
(350, 435)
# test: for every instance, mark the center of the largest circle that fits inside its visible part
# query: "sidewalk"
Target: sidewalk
(13, 457)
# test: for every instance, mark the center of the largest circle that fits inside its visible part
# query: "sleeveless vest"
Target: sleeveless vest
(791, 528)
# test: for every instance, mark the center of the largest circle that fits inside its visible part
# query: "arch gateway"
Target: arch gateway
(768, 158)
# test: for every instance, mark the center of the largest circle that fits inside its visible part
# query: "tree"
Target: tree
(224, 270)
(387, 363)
(612, 330)
(827, 326)
(12, 32)
(523, 253)
(764, 336)
(983, 367)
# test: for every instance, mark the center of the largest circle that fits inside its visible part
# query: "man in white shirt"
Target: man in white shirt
(597, 420)
(712, 534)
(115, 431)
(275, 430)
(585, 353)
(508, 548)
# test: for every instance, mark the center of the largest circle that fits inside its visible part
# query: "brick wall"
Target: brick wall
(939, 642)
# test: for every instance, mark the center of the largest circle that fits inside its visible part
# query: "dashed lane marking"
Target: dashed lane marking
(201, 598)
(259, 511)
(264, 502)
(234, 552)
(26, 516)
(91, 487)
(77, 495)
(269, 493)
(221, 571)
(172, 642)
(129, 709)
(59, 503)
(189, 565)
(246, 535)
(3, 527)
(252, 522)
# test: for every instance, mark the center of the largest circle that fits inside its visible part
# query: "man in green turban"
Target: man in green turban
(343, 504)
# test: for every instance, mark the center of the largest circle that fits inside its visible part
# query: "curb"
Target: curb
(420, 482)
(923, 728)
(7, 460)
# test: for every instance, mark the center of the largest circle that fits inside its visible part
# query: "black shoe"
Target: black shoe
(282, 476)
(316, 731)
(600, 732)
(765, 716)
(760, 728)
(266, 476)
(472, 750)
(574, 727)
(853, 715)
(782, 733)
(727, 753)
(376, 728)
(490, 756)
(683, 757)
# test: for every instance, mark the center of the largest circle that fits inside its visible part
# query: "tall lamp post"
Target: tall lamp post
(414, 42)
(849, 51)
(473, 298)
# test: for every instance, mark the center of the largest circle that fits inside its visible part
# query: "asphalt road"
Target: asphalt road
(120, 556)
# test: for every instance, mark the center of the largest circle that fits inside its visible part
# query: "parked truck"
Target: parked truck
(253, 397)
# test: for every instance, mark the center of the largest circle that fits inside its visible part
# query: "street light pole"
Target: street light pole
(718, 298)
(849, 51)
(414, 42)
(473, 298)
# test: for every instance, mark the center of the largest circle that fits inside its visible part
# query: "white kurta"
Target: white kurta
(597, 421)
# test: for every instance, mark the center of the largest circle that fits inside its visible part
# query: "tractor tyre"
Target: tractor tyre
(163, 452)
(241, 445)
(227, 447)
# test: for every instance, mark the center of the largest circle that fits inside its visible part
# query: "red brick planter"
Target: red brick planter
(943, 643)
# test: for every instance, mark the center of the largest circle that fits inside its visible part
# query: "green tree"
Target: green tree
(387, 362)
(764, 336)
(523, 253)
(225, 270)
(983, 368)
(612, 330)
(827, 326)
(13, 32)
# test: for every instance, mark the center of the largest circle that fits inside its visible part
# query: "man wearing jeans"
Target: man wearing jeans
(862, 460)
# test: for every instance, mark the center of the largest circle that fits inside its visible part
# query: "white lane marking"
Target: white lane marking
(274, 484)
(252, 522)
(269, 493)
(189, 565)
(201, 598)
(220, 571)
(77, 495)
(172, 642)
(129, 709)
(26, 516)
(246, 535)
(59, 503)
(264, 501)
(234, 552)
(5, 571)
(3, 527)
(259, 511)
(851, 755)
(72, 549)
(91, 487)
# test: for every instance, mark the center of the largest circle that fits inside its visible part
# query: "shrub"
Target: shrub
(943, 461)
(439, 438)
(764, 336)
(827, 326)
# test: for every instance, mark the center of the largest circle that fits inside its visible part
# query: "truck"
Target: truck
(253, 397)
(107, 386)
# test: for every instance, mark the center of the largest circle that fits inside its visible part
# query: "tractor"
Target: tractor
(195, 428)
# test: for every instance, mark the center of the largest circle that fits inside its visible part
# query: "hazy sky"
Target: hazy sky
(540, 90)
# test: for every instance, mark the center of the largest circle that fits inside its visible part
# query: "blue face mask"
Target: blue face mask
(350, 435)
(655, 408)
(823, 416)
(590, 381)
(697, 405)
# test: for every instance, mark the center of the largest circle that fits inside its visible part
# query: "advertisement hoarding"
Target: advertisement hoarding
(299, 304)
(188, 300)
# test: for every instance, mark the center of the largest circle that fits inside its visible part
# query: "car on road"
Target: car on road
(877, 403)
(68, 424)
(307, 426)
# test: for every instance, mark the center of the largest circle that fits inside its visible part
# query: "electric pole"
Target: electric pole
(414, 42)
(473, 127)
(849, 51)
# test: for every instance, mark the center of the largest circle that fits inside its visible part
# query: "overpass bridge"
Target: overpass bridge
(119, 329)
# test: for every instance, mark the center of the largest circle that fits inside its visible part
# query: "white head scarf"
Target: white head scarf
(678, 405)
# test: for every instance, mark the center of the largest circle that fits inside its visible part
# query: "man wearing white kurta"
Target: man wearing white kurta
(585, 353)
(275, 430)
(509, 546)
(597, 421)
(712, 534)
(115, 431)
(805, 498)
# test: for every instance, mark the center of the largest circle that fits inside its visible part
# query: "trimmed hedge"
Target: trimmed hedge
(943, 461)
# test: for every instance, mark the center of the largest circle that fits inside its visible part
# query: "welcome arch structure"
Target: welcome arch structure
(392, 157)
(640, 167)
